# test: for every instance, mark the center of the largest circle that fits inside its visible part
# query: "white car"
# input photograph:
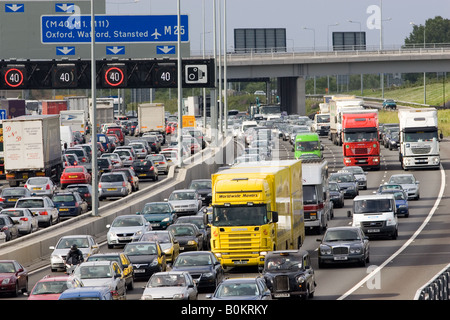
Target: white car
(160, 162)
(170, 285)
(185, 201)
(43, 207)
(125, 229)
(408, 183)
(27, 220)
(115, 159)
(86, 243)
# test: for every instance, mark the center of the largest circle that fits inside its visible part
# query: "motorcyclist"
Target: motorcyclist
(74, 256)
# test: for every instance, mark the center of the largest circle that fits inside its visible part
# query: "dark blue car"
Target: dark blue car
(69, 204)
(401, 201)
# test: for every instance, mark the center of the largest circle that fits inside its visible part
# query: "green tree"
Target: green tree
(435, 31)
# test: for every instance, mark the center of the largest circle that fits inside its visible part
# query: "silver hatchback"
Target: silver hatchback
(41, 186)
(113, 184)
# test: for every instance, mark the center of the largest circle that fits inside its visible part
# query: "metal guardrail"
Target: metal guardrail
(437, 288)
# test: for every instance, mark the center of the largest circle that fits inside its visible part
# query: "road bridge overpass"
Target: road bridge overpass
(292, 68)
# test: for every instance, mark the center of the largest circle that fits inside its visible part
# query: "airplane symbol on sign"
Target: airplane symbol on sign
(156, 34)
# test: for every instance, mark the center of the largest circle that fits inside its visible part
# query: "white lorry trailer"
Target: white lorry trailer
(151, 117)
(419, 138)
(32, 147)
(338, 104)
(317, 205)
(76, 119)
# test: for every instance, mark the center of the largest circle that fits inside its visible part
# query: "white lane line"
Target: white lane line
(405, 245)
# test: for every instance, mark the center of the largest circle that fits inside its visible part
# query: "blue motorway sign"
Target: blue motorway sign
(14, 7)
(2, 114)
(63, 29)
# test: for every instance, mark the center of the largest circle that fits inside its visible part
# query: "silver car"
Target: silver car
(139, 149)
(86, 243)
(126, 156)
(115, 159)
(42, 186)
(360, 175)
(43, 207)
(160, 162)
(113, 184)
(125, 229)
(185, 201)
(408, 183)
(104, 274)
(170, 285)
(27, 220)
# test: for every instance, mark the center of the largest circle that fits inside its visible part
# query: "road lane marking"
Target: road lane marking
(406, 244)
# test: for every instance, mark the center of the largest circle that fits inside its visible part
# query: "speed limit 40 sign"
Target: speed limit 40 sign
(114, 76)
(13, 77)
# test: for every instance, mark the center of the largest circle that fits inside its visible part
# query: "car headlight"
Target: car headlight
(192, 242)
(325, 250)
(208, 275)
(154, 263)
(193, 205)
(178, 296)
(301, 279)
(147, 297)
(351, 188)
(355, 250)
(6, 281)
(165, 219)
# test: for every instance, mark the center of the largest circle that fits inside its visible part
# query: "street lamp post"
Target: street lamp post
(314, 35)
(424, 73)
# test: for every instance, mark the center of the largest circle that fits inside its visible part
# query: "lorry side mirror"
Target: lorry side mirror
(349, 214)
(274, 216)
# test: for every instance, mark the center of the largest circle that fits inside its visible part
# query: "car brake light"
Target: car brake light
(123, 184)
(151, 168)
(99, 185)
(83, 160)
(77, 204)
(143, 150)
(2, 199)
(4, 228)
(25, 185)
(43, 213)
(47, 187)
(130, 158)
(24, 219)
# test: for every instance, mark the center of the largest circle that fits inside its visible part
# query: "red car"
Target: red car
(74, 175)
(13, 277)
(51, 287)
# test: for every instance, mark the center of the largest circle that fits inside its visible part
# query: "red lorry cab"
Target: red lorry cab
(360, 139)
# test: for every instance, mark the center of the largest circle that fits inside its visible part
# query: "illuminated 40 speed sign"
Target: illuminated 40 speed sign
(13, 77)
(114, 75)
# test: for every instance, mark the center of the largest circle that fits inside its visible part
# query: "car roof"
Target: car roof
(287, 252)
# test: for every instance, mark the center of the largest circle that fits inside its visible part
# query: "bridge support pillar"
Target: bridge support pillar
(292, 93)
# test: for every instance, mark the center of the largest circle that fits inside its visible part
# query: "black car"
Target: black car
(343, 245)
(394, 140)
(204, 189)
(145, 169)
(9, 196)
(69, 204)
(104, 165)
(85, 191)
(203, 266)
(153, 142)
(147, 258)
(188, 235)
(336, 195)
(289, 273)
(199, 222)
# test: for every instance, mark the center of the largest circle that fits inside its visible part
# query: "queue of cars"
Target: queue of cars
(193, 266)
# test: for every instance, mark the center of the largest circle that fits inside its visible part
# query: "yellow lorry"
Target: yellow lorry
(256, 208)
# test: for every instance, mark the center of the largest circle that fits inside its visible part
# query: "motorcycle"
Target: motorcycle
(71, 265)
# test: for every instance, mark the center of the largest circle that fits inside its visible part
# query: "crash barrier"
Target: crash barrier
(437, 288)
(33, 249)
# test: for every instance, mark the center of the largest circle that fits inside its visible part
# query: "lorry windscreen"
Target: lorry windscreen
(309, 194)
(240, 216)
(361, 136)
(420, 135)
(372, 206)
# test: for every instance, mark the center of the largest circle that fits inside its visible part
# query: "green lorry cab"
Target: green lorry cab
(307, 145)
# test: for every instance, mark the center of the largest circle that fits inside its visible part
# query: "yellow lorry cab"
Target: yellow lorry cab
(257, 208)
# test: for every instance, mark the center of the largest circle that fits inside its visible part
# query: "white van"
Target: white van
(66, 136)
(375, 214)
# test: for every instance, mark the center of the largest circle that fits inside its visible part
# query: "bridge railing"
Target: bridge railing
(299, 52)
(438, 288)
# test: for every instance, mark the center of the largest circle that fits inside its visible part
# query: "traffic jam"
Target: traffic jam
(252, 215)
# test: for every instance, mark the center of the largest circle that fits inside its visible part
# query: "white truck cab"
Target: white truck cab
(376, 215)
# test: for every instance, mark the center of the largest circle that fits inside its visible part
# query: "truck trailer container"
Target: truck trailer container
(32, 147)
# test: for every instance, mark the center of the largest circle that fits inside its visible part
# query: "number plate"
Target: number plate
(340, 258)
(37, 188)
(71, 177)
(11, 200)
(111, 189)
(282, 295)
(142, 175)
(139, 271)
(240, 262)
(155, 224)
(373, 230)
(63, 209)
